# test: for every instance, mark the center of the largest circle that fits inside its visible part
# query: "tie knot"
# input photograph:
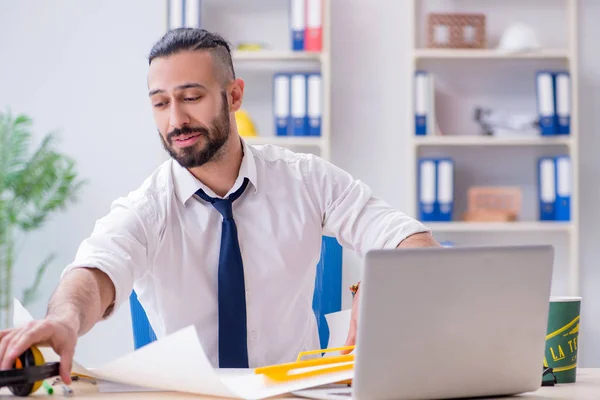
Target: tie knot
(224, 206)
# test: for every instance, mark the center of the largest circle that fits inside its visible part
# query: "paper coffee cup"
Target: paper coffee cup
(562, 337)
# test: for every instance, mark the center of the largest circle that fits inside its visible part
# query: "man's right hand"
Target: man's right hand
(59, 334)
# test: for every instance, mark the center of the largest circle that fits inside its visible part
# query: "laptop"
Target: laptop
(448, 323)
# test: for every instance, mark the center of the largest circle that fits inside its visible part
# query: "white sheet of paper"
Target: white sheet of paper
(117, 387)
(177, 362)
(338, 323)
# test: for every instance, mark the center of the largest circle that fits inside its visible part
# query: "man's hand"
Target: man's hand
(424, 239)
(351, 339)
(61, 335)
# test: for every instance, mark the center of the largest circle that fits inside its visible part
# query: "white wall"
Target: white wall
(80, 67)
(370, 82)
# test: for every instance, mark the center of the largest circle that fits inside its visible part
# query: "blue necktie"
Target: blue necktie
(233, 340)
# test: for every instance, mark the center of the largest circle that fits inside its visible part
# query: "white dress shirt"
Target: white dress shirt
(163, 241)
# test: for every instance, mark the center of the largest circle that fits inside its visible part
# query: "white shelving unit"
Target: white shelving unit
(287, 141)
(468, 144)
(479, 227)
(440, 54)
(274, 55)
(257, 64)
(464, 140)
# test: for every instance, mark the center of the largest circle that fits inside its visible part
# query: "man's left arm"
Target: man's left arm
(355, 217)
(422, 239)
(359, 220)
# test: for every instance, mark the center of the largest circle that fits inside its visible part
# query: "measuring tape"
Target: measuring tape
(28, 373)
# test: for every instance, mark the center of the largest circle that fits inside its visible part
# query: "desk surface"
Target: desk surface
(587, 388)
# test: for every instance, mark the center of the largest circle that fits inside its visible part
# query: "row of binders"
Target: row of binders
(554, 102)
(306, 25)
(554, 188)
(306, 21)
(436, 189)
(297, 103)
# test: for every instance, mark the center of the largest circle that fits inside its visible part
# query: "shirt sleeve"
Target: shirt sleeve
(356, 218)
(118, 247)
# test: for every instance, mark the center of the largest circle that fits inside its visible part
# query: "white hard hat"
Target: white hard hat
(519, 37)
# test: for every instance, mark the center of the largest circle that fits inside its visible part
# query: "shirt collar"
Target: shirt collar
(186, 184)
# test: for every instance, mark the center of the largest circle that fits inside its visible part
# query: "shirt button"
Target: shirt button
(247, 293)
(253, 335)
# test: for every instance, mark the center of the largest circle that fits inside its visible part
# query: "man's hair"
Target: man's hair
(192, 39)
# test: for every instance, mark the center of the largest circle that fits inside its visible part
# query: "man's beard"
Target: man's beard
(215, 137)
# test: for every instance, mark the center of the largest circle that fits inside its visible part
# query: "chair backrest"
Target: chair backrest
(142, 331)
(327, 297)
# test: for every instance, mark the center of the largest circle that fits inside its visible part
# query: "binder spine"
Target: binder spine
(427, 189)
(298, 105)
(445, 189)
(546, 103)
(313, 40)
(297, 23)
(192, 12)
(563, 188)
(314, 106)
(176, 13)
(281, 104)
(563, 102)
(546, 188)
(421, 92)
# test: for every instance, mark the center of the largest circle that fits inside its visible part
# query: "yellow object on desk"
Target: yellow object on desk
(307, 368)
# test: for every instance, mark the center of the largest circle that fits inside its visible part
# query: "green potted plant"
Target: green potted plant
(33, 185)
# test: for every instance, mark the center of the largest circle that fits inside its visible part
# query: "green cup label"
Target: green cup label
(562, 346)
(562, 339)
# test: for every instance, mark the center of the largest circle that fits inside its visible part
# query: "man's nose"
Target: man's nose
(179, 117)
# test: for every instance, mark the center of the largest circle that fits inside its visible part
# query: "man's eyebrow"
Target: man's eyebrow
(180, 87)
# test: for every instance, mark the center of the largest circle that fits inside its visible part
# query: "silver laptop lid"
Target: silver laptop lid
(452, 322)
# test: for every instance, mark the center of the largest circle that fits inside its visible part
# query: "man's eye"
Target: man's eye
(191, 98)
(159, 105)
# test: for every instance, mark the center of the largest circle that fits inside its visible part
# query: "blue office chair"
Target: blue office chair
(327, 297)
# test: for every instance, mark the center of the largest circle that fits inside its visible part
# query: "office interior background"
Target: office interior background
(80, 67)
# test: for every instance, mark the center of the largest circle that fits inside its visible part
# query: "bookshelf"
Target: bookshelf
(237, 21)
(478, 227)
(484, 77)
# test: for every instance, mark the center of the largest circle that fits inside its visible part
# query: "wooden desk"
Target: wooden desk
(586, 388)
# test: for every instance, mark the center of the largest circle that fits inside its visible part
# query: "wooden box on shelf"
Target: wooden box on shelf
(456, 31)
(493, 204)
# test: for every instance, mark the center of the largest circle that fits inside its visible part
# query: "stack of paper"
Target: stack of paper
(178, 363)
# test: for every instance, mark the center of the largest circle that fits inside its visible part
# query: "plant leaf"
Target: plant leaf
(33, 185)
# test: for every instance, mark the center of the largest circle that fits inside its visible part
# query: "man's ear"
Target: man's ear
(236, 94)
